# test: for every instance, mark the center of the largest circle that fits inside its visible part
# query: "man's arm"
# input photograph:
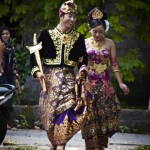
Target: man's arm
(83, 59)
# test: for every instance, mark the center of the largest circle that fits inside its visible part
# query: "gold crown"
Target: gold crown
(97, 14)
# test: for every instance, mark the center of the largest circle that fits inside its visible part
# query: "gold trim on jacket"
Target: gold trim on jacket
(34, 69)
(59, 39)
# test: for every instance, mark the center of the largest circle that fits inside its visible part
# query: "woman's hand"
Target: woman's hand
(124, 88)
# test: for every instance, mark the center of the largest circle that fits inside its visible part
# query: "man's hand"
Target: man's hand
(39, 76)
(80, 59)
(82, 75)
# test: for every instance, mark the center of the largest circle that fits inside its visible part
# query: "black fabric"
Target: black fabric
(8, 58)
(7, 78)
(3, 126)
(49, 50)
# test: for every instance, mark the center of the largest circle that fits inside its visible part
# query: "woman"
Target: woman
(8, 65)
(103, 119)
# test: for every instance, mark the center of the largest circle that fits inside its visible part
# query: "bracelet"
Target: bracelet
(116, 70)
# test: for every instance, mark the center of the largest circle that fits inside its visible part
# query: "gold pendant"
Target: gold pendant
(64, 38)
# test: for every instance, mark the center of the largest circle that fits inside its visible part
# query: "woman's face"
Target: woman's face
(98, 33)
(5, 35)
(68, 20)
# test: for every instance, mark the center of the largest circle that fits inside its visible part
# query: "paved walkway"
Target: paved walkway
(38, 138)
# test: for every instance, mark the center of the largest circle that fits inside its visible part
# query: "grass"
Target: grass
(143, 147)
(24, 148)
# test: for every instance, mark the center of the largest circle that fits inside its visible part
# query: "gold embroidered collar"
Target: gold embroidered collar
(68, 40)
(64, 37)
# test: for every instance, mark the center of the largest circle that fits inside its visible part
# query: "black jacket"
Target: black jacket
(56, 51)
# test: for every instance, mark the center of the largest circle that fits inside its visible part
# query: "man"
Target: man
(62, 48)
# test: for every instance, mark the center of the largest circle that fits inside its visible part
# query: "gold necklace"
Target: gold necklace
(63, 37)
(98, 44)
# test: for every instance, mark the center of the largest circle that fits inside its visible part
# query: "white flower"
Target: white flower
(107, 25)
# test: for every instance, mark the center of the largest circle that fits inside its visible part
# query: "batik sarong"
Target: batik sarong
(57, 104)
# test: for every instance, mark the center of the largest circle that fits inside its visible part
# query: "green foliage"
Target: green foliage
(143, 147)
(19, 95)
(129, 62)
(124, 17)
(24, 148)
(123, 129)
(23, 121)
(83, 28)
(4, 10)
(137, 11)
(22, 56)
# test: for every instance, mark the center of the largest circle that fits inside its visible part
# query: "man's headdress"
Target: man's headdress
(68, 7)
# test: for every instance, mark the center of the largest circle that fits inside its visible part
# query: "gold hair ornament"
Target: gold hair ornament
(97, 14)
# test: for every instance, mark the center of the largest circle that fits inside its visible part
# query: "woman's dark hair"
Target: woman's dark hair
(96, 22)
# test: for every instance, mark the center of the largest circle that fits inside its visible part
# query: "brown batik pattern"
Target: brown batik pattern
(103, 119)
(59, 97)
(96, 143)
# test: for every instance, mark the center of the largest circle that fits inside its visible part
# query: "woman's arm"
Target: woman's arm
(115, 67)
(83, 59)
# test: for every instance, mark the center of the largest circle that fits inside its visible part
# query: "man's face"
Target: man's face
(68, 20)
(5, 35)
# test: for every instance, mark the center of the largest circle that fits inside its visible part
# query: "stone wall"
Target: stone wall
(32, 93)
(131, 120)
(135, 120)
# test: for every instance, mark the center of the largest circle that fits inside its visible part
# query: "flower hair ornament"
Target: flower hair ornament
(107, 25)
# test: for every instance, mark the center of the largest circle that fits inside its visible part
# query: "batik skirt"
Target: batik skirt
(102, 120)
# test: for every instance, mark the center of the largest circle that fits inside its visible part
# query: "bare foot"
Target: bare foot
(62, 147)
